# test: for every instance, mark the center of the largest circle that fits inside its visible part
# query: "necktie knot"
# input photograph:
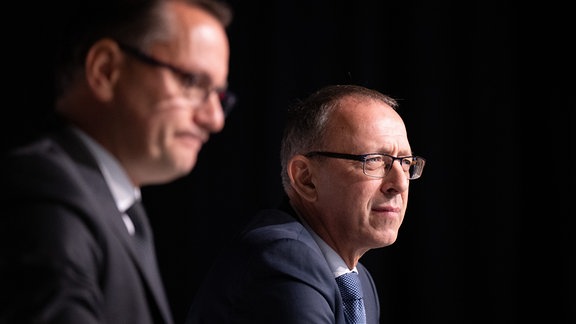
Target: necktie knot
(138, 216)
(142, 240)
(351, 292)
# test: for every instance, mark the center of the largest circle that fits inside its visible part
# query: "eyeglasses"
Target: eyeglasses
(378, 165)
(192, 83)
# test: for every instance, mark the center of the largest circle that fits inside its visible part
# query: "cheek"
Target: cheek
(355, 197)
(164, 125)
(404, 197)
(158, 129)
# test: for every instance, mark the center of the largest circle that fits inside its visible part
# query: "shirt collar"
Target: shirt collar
(335, 261)
(124, 193)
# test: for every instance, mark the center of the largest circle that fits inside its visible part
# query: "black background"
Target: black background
(487, 237)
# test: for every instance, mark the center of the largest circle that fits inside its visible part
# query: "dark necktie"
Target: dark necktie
(351, 291)
(144, 245)
(138, 217)
(143, 240)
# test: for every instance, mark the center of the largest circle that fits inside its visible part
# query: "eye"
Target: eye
(189, 80)
(374, 161)
(407, 162)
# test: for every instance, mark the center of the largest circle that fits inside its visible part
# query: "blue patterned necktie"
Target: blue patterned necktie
(351, 291)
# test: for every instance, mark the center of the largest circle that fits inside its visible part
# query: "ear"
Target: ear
(102, 68)
(301, 176)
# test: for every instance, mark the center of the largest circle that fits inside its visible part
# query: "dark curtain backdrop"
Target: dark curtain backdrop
(477, 245)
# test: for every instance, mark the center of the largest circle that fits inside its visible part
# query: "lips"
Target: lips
(201, 137)
(386, 209)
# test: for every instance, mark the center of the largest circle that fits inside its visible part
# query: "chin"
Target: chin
(388, 238)
(184, 170)
(176, 171)
(185, 161)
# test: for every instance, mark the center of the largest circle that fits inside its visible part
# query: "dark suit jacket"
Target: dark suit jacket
(274, 272)
(65, 253)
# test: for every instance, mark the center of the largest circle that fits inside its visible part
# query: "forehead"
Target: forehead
(364, 124)
(198, 41)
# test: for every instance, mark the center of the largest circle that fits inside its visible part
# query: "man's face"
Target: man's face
(359, 212)
(171, 119)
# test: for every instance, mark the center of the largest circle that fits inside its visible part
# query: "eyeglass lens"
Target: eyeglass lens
(379, 165)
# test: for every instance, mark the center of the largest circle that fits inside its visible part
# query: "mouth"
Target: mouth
(386, 209)
(387, 212)
(197, 136)
(190, 139)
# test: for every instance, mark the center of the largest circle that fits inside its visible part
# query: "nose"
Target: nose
(209, 114)
(396, 179)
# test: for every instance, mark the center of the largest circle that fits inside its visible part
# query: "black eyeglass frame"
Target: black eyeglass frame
(415, 160)
(188, 79)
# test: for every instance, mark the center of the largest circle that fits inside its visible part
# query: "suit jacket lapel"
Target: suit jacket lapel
(107, 209)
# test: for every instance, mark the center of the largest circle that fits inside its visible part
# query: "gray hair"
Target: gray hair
(306, 122)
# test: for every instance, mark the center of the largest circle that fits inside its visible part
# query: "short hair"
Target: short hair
(79, 24)
(306, 121)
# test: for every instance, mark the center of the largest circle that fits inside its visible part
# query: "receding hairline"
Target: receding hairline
(219, 10)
